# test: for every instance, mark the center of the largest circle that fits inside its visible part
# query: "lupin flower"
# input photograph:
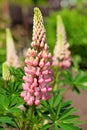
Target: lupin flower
(38, 74)
(12, 58)
(61, 55)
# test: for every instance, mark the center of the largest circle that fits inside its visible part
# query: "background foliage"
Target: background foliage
(76, 30)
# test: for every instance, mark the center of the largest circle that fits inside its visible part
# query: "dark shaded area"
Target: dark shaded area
(15, 14)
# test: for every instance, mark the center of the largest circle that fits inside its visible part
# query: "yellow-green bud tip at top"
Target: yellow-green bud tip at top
(37, 15)
(36, 10)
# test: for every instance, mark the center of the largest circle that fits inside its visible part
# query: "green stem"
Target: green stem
(6, 84)
(31, 113)
(56, 79)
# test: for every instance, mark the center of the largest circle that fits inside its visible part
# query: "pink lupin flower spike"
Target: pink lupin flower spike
(38, 74)
(61, 55)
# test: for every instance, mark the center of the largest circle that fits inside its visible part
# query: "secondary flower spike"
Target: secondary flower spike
(12, 58)
(38, 74)
(61, 55)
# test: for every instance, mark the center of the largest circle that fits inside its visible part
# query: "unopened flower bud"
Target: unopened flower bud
(5, 72)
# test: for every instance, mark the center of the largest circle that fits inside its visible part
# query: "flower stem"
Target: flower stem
(31, 114)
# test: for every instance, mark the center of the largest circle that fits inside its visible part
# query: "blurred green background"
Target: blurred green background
(18, 16)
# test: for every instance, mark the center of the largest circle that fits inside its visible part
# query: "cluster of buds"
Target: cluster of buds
(5, 71)
(38, 74)
(61, 56)
(12, 58)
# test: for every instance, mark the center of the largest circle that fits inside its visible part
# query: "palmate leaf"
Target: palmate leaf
(55, 100)
(67, 77)
(14, 88)
(80, 80)
(7, 120)
(67, 120)
(68, 127)
(82, 86)
(58, 109)
(1, 128)
(59, 114)
(10, 105)
(76, 82)
(8, 102)
(15, 101)
(44, 103)
(4, 102)
(17, 73)
(67, 112)
(81, 76)
(14, 111)
(55, 127)
(45, 127)
(11, 88)
(76, 89)
(66, 104)
(70, 119)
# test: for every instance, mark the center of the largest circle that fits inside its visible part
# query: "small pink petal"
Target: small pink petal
(48, 80)
(45, 72)
(41, 80)
(36, 93)
(43, 90)
(49, 89)
(37, 102)
(23, 94)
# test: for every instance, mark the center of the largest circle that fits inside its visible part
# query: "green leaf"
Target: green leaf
(55, 127)
(4, 102)
(46, 117)
(70, 119)
(57, 100)
(69, 127)
(51, 101)
(14, 111)
(76, 89)
(66, 103)
(58, 108)
(67, 77)
(82, 86)
(6, 119)
(67, 112)
(44, 103)
(15, 101)
(80, 77)
(1, 128)
(45, 127)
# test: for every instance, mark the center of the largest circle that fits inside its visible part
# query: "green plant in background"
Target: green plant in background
(36, 112)
(76, 30)
(62, 61)
(29, 2)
